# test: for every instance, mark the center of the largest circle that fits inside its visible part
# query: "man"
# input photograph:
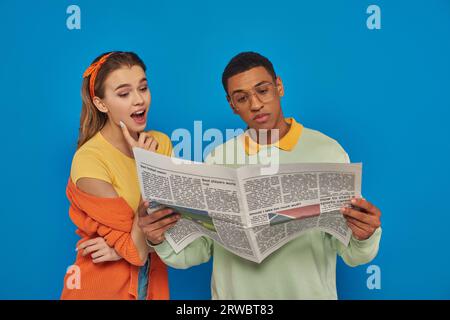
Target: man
(304, 268)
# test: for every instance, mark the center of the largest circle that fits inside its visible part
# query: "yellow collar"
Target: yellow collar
(287, 143)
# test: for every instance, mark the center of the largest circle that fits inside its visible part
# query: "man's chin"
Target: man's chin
(269, 125)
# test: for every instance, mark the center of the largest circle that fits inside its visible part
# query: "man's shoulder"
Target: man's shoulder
(316, 136)
(323, 144)
(231, 146)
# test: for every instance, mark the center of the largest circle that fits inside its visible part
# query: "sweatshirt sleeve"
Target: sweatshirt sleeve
(358, 252)
(197, 252)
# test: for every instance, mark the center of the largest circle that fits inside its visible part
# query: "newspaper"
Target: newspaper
(246, 212)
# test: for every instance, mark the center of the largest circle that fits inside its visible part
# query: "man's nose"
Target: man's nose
(255, 103)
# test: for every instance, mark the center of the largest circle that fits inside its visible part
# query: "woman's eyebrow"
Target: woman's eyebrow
(122, 86)
(129, 85)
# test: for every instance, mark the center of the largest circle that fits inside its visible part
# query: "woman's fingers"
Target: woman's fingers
(100, 253)
(104, 255)
(126, 134)
(101, 259)
(92, 248)
(141, 140)
(90, 242)
(153, 146)
(149, 143)
(145, 141)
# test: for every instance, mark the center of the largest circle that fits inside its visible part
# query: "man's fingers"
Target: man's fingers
(357, 231)
(127, 135)
(170, 225)
(142, 209)
(361, 225)
(155, 216)
(146, 219)
(162, 223)
(164, 229)
(166, 221)
(358, 215)
(366, 205)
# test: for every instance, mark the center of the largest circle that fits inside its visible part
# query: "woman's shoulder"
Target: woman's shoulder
(164, 142)
(89, 161)
(91, 149)
(158, 135)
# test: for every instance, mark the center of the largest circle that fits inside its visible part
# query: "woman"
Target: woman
(112, 257)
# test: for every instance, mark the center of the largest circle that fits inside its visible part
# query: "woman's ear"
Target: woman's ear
(280, 87)
(100, 105)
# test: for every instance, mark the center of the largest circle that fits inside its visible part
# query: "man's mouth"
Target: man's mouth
(261, 118)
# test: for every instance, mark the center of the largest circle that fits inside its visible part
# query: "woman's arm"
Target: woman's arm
(103, 189)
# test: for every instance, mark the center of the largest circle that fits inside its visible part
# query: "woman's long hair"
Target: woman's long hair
(92, 120)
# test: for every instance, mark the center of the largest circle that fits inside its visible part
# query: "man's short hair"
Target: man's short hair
(245, 61)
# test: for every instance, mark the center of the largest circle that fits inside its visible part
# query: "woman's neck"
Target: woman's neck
(113, 134)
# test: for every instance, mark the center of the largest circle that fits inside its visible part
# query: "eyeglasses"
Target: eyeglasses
(265, 93)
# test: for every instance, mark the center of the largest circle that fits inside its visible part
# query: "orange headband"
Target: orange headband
(93, 71)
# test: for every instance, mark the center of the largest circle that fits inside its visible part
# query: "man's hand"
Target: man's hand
(99, 250)
(363, 218)
(155, 224)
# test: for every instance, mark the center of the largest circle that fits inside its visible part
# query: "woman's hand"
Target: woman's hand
(99, 250)
(145, 141)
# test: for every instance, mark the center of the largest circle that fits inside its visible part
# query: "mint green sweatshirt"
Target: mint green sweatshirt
(304, 268)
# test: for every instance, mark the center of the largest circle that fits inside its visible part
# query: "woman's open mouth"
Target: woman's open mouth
(139, 116)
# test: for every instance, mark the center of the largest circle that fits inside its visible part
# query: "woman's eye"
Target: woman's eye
(143, 89)
(123, 95)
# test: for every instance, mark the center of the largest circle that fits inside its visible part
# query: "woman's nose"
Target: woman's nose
(138, 98)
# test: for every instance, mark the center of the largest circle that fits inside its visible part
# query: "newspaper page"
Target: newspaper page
(245, 211)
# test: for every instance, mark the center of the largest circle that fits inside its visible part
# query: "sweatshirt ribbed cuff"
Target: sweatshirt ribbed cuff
(373, 239)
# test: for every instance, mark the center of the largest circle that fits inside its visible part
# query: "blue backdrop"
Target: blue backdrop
(383, 94)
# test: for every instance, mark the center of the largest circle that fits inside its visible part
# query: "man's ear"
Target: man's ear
(235, 111)
(280, 87)
(100, 105)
